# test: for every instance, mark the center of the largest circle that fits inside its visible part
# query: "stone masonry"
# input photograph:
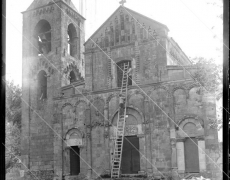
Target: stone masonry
(165, 107)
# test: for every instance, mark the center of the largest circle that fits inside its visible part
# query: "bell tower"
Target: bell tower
(52, 57)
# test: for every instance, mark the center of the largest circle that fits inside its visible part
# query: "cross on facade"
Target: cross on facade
(122, 2)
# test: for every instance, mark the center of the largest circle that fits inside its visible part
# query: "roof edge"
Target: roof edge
(128, 10)
(52, 4)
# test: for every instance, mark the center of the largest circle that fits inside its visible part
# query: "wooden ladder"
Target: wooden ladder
(117, 154)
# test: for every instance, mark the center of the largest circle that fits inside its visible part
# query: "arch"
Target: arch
(192, 86)
(192, 121)
(178, 87)
(72, 131)
(72, 77)
(72, 40)
(81, 101)
(120, 67)
(110, 97)
(128, 110)
(98, 98)
(42, 36)
(66, 104)
(42, 85)
(162, 87)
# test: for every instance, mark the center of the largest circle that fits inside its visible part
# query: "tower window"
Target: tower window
(42, 35)
(72, 40)
(72, 77)
(120, 68)
(42, 85)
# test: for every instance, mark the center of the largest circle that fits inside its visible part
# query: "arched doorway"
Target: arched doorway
(130, 163)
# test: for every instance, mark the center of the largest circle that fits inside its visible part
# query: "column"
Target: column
(106, 138)
(180, 156)
(88, 140)
(201, 152)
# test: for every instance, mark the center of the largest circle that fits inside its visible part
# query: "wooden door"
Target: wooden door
(191, 155)
(74, 160)
(130, 163)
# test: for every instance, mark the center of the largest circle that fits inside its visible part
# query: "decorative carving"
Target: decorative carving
(44, 10)
(80, 101)
(131, 130)
(66, 104)
(73, 15)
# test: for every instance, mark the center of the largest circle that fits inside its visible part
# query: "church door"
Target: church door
(74, 160)
(130, 163)
(191, 155)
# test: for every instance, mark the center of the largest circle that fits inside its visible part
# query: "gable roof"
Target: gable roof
(131, 12)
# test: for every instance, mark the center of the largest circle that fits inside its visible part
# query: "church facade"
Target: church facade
(71, 99)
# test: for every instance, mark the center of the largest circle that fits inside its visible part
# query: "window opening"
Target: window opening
(120, 68)
(72, 40)
(42, 85)
(42, 35)
(74, 160)
(72, 77)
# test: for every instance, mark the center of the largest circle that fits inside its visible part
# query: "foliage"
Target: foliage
(12, 144)
(13, 103)
(13, 123)
(209, 75)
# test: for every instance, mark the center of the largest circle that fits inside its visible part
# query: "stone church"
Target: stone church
(71, 99)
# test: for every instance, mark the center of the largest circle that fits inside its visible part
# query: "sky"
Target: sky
(193, 24)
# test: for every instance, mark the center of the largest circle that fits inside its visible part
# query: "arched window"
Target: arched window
(72, 77)
(120, 68)
(42, 85)
(72, 40)
(42, 35)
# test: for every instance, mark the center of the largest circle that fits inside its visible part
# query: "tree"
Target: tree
(209, 75)
(13, 124)
(13, 103)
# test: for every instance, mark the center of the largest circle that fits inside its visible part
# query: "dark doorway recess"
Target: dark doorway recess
(130, 163)
(191, 155)
(74, 160)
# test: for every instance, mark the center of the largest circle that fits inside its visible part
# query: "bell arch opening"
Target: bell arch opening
(42, 36)
(72, 40)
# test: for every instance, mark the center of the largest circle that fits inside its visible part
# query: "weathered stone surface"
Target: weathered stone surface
(161, 113)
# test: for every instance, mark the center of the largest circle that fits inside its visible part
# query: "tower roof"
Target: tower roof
(39, 3)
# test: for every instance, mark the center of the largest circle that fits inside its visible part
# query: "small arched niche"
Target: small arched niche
(42, 36)
(42, 85)
(72, 40)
